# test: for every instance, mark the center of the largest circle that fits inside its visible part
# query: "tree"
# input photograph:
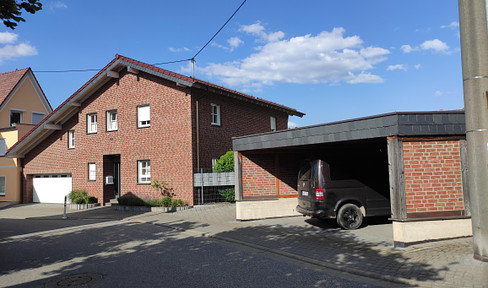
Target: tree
(225, 163)
(10, 10)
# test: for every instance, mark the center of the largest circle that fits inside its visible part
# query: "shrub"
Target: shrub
(78, 193)
(90, 199)
(225, 163)
(79, 201)
(229, 194)
(166, 202)
(131, 200)
(178, 203)
(153, 203)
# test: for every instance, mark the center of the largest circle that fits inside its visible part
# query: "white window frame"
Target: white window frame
(21, 112)
(143, 116)
(215, 114)
(112, 124)
(91, 123)
(92, 171)
(42, 115)
(272, 120)
(4, 187)
(144, 171)
(71, 139)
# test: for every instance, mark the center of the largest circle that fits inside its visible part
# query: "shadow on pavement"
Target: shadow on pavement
(336, 249)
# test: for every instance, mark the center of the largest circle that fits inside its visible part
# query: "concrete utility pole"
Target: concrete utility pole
(474, 50)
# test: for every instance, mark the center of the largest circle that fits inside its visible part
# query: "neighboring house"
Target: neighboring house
(23, 105)
(134, 123)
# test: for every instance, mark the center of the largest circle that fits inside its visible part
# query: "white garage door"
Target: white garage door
(51, 188)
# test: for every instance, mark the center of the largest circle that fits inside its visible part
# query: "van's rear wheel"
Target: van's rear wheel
(349, 217)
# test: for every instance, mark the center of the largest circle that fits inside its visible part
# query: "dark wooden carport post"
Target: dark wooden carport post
(397, 180)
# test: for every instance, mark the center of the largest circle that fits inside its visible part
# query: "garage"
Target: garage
(51, 188)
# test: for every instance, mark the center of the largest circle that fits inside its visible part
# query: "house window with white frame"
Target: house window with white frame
(71, 139)
(36, 117)
(215, 114)
(112, 120)
(143, 116)
(91, 123)
(2, 185)
(16, 116)
(144, 172)
(273, 123)
(92, 172)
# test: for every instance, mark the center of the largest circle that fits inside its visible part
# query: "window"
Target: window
(16, 116)
(92, 171)
(2, 185)
(215, 114)
(91, 123)
(143, 116)
(112, 120)
(273, 123)
(37, 117)
(71, 139)
(144, 172)
(3, 146)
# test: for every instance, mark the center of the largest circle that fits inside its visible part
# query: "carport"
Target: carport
(417, 158)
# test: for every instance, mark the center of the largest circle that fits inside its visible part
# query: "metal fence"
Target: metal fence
(212, 187)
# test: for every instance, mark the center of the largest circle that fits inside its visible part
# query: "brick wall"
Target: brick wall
(238, 118)
(258, 176)
(433, 176)
(167, 143)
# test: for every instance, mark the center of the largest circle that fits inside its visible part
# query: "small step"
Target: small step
(113, 202)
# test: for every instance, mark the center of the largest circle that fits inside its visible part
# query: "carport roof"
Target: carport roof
(439, 123)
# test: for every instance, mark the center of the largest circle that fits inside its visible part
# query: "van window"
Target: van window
(305, 172)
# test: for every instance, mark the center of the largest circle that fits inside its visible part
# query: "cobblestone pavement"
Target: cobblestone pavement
(367, 251)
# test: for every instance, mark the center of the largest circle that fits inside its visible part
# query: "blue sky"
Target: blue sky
(331, 59)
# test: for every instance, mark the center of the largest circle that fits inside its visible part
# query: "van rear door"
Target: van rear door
(306, 193)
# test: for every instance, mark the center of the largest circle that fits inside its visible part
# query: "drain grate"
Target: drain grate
(73, 281)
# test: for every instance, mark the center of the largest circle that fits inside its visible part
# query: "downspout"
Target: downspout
(198, 135)
(21, 160)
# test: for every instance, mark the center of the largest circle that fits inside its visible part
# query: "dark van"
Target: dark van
(330, 193)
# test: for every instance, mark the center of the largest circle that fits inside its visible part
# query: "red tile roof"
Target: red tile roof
(8, 82)
(159, 70)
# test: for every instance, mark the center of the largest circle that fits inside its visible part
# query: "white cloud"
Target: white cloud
(19, 50)
(438, 93)
(7, 37)
(57, 5)
(292, 125)
(326, 57)
(418, 66)
(177, 50)
(407, 49)
(397, 67)
(235, 42)
(258, 30)
(452, 25)
(435, 45)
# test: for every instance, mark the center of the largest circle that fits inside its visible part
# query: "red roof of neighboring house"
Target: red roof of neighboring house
(8, 82)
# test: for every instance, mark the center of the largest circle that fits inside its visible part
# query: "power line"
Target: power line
(228, 20)
(156, 64)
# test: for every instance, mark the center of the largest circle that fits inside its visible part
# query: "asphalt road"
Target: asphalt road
(113, 253)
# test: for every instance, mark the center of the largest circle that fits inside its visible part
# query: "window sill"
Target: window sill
(149, 183)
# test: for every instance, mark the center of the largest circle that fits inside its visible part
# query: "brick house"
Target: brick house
(419, 159)
(133, 123)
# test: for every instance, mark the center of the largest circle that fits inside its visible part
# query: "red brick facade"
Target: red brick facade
(268, 176)
(170, 143)
(433, 176)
